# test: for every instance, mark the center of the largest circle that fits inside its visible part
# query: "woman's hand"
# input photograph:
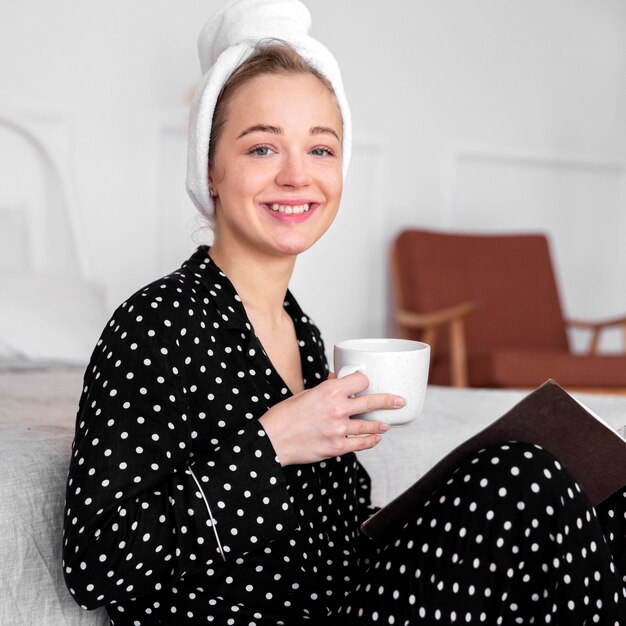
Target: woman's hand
(315, 424)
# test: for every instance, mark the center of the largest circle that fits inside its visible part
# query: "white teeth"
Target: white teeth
(289, 209)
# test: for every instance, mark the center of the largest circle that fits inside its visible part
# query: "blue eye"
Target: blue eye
(322, 152)
(261, 150)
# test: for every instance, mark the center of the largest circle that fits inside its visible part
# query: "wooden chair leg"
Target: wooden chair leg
(430, 337)
(458, 355)
(595, 341)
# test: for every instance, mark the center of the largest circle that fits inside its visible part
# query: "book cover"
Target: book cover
(592, 452)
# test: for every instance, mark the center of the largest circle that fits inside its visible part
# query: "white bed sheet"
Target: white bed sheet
(37, 412)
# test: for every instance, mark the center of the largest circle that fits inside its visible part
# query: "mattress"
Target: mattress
(37, 412)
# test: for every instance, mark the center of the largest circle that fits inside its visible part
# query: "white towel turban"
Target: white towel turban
(227, 40)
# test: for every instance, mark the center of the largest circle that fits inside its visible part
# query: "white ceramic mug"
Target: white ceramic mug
(398, 366)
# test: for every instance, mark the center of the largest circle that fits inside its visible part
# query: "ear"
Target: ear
(212, 191)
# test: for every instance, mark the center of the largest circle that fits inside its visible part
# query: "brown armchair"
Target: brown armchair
(489, 307)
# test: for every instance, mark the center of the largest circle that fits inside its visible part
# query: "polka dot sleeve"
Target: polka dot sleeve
(251, 512)
(140, 486)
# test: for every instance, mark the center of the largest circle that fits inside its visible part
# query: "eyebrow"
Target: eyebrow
(275, 130)
(323, 130)
(261, 128)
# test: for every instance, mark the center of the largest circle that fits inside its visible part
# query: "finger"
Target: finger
(354, 444)
(353, 383)
(367, 427)
(332, 376)
(374, 401)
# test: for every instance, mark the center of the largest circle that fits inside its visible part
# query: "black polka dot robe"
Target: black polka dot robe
(177, 509)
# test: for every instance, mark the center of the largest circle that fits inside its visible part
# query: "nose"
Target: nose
(293, 172)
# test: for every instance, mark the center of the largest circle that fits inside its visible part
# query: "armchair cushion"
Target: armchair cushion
(529, 368)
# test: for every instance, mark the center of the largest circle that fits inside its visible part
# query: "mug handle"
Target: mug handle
(346, 370)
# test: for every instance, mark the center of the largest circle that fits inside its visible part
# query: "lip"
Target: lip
(291, 201)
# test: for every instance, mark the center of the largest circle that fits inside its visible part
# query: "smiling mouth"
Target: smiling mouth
(289, 209)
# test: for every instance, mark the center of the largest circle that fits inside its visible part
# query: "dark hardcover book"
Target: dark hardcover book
(592, 452)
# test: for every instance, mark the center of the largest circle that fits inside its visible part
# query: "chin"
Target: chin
(294, 244)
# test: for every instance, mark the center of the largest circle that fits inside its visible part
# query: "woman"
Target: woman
(213, 477)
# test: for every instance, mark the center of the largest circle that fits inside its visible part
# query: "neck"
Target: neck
(260, 280)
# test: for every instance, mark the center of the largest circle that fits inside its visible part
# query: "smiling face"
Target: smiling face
(277, 176)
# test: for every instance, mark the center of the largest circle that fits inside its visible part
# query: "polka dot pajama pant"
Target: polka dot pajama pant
(510, 538)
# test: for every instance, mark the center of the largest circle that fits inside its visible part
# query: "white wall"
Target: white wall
(444, 93)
